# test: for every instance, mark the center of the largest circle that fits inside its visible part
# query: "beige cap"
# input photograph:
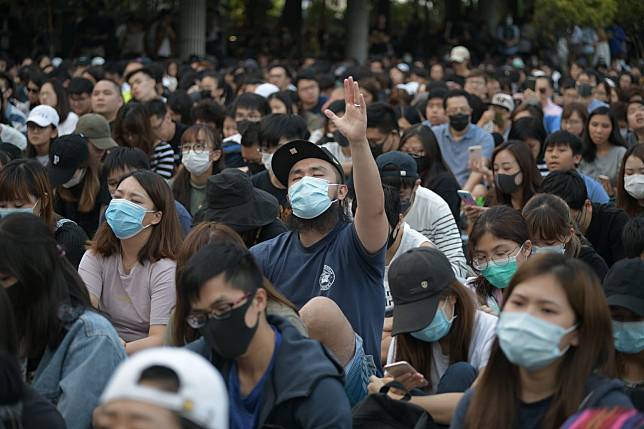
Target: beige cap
(96, 128)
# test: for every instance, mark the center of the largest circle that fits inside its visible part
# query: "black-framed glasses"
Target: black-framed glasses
(197, 147)
(198, 319)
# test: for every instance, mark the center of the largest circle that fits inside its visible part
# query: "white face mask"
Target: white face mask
(75, 180)
(266, 160)
(634, 185)
(196, 163)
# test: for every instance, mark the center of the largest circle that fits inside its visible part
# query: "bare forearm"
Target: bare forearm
(441, 407)
(472, 181)
(366, 179)
(144, 343)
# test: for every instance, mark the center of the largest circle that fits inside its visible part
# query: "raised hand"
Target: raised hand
(353, 124)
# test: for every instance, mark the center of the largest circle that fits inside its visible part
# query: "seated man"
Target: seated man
(325, 254)
(424, 211)
(633, 238)
(600, 223)
(153, 388)
(563, 153)
(275, 377)
(456, 137)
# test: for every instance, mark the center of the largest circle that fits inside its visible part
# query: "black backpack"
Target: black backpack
(379, 411)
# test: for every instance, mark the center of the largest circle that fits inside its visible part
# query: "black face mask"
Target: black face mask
(507, 183)
(340, 139)
(405, 204)
(230, 337)
(421, 163)
(460, 121)
(254, 168)
(585, 90)
(376, 150)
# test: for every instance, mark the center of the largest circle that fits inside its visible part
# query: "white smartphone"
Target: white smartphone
(398, 369)
(475, 152)
(466, 196)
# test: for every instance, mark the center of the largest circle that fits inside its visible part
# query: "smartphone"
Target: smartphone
(398, 369)
(474, 153)
(531, 83)
(466, 196)
(603, 179)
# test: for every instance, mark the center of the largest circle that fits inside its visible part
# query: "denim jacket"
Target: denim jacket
(73, 375)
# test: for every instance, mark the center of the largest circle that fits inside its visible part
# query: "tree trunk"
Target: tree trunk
(357, 19)
(192, 29)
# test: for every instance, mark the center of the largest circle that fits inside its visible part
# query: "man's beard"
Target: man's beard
(321, 224)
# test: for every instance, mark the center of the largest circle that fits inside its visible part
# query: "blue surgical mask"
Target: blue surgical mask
(530, 342)
(11, 210)
(125, 218)
(310, 197)
(558, 249)
(436, 330)
(629, 336)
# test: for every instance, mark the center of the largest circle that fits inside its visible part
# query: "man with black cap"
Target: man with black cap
(325, 254)
(424, 210)
(625, 294)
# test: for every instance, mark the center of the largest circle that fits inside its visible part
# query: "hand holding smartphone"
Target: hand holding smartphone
(466, 197)
(405, 373)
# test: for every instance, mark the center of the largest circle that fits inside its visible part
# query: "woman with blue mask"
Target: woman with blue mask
(129, 268)
(553, 353)
(437, 330)
(498, 244)
(552, 230)
(625, 295)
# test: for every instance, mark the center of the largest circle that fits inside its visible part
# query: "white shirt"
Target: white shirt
(431, 216)
(68, 126)
(410, 240)
(336, 150)
(479, 351)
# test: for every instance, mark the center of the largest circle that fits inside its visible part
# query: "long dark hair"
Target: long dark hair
(500, 383)
(435, 163)
(588, 148)
(8, 331)
(133, 128)
(624, 199)
(419, 353)
(166, 235)
(62, 105)
(200, 236)
(528, 167)
(181, 188)
(46, 281)
(502, 222)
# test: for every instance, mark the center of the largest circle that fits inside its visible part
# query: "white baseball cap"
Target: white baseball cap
(43, 116)
(459, 54)
(503, 100)
(202, 397)
(266, 89)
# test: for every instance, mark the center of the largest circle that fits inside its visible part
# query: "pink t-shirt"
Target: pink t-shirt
(131, 301)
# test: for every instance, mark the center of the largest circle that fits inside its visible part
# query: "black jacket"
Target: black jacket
(305, 387)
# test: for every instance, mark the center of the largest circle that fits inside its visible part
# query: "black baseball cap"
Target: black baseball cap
(417, 280)
(294, 151)
(397, 164)
(66, 155)
(623, 285)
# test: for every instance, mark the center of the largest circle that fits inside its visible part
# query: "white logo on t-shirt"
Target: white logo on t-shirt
(327, 278)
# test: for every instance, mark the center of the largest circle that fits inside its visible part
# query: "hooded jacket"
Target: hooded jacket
(305, 386)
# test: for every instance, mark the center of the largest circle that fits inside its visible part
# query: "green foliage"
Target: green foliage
(630, 14)
(559, 15)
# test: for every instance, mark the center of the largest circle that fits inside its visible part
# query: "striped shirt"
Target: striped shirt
(162, 161)
(430, 215)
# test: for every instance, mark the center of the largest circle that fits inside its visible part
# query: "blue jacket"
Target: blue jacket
(74, 375)
(304, 389)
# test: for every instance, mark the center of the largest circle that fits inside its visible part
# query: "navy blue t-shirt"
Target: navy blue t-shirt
(244, 410)
(338, 267)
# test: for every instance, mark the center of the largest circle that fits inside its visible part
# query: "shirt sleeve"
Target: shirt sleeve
(487, 143)
(163, 293)
(91, 271)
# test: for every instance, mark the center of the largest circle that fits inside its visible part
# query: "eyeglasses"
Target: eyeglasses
(198, 319)
(481, 264)
(197, 147)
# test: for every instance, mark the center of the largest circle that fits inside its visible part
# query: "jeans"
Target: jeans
(357, 373)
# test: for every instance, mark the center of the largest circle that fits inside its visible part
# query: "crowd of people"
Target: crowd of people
(321, 246)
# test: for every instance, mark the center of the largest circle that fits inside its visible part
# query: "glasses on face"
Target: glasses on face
(197, 147)
(481, 263)
(198, 319)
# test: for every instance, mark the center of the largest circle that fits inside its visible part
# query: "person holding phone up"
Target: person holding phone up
(437, 331)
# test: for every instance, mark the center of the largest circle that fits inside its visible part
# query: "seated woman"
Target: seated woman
(232, 200)
(179, 332)
(129, 268)
(552, 230)
(24, 187)
(437, 330)
(623, 289)
(69, 349)
(420, 142)
(553, 348)
(498, 244)
(630, 182)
